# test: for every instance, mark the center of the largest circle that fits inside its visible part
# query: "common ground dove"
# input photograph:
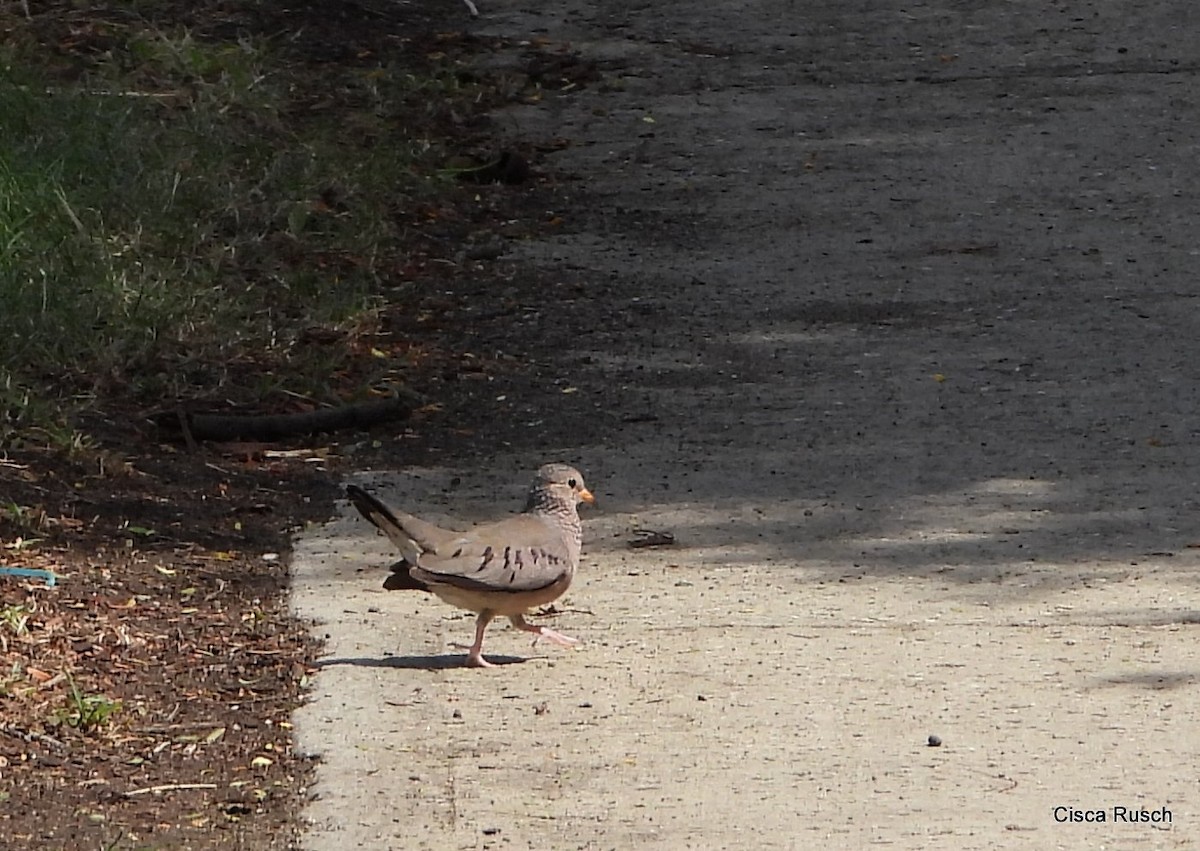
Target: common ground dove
(500, 569)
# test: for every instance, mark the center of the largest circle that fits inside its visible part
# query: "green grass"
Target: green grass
(15, 619)
(86, 712)
(183, 210)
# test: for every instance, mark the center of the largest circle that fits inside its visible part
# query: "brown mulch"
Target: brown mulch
(144, 698)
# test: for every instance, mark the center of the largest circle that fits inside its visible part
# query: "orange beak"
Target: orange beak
(586, 496)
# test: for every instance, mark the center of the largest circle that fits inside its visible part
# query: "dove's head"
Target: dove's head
(558, 484)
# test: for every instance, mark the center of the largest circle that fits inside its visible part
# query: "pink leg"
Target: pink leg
(475, 652)
(543, 632)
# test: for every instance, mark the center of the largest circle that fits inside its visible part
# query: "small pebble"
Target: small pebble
(935, 741)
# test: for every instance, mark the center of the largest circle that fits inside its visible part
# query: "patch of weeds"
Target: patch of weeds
(35, 419)
(24, 519)
(21, 544)
(174, 223)
(255, 619)
(10, 681)
(221, 74)
(140, 531)
(86, 712)
(15, 619)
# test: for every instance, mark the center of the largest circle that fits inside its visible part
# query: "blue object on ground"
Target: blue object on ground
(51, 579)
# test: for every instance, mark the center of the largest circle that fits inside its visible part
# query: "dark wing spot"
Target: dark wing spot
(520, 560)
(457, 553)
(512, 577)
(487, 557)
(507, 556)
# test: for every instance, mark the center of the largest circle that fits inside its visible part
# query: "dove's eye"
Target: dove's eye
(572, 483)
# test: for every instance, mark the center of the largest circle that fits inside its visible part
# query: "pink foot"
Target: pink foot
(474, 655)
(475, 651)
(543, 632)
(554, 637)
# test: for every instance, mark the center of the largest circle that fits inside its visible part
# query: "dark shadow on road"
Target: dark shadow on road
(420, 663)
(1153, 680)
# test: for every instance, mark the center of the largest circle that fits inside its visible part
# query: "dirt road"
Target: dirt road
(888, 315)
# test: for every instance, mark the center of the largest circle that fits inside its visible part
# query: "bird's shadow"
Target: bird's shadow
(420, 663)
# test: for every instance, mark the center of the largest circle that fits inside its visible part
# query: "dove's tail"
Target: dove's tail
(375, 511)
(386, 520)
(403, 530)
(411, 535)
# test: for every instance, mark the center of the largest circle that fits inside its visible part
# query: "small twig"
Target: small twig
(258, 699)
(30, 736)
(651, 538)
(541, 816)
(186, 428)
(553, 610)
(174, 728)
(53, 681)
(169, 787)
(1012, 784)
(66, 205)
